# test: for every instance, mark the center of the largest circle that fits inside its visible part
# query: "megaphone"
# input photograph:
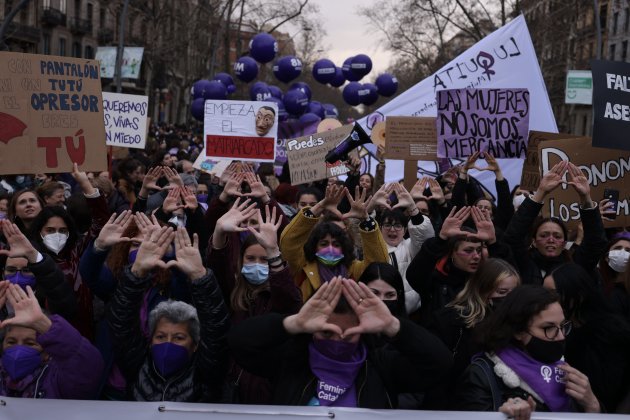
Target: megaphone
(356, 138)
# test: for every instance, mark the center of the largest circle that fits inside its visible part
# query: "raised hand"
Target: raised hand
(493, 166)
(172, 177)
(484, 225)
(19, 245)
(172, 201)
(256, 186)
(4, 287)
(405, 200)
(354, 164)
(150, 181)
(232, 187)
(578, 181)
(374, 317)
(437, 193)
(28, 313)
(152, 250)
(267, 233)
(452, 226)
(550, 180)
(313, 316)
(83, 180)
(380, 197)
(145, 224)
(231, 221)
(417, 191)
(358, 204)
(189, 198)
(470, 163)
(112, 233)
(579, 388)
(606, 209)
(332, 198)
(187, 256)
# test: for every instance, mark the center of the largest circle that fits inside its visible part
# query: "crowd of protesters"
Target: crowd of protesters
(159, 282)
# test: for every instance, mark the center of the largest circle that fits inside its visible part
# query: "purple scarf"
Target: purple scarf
(335, 385)
(326, 273)
(547, 380)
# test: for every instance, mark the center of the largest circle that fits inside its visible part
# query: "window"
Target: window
(89, 52)
(46, 4)
(77, 8)
(615, 23)
(603, 14)
(62, 6)
(624, 51)
(611, 56)
(626, 22)
(76, 49)
(46, 44)
(102, 15)
(62, 46)
(90, 12)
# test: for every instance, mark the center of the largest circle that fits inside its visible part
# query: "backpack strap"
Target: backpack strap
(497, 395)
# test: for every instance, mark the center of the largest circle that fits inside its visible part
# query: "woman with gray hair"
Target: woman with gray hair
(186, 356)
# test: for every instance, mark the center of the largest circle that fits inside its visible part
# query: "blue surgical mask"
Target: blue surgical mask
(20, 361)
(202, 198)
(255, 273)
(21, 280)
(330, 256)
(169, 358)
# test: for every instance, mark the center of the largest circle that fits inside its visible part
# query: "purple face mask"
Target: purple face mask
(243, 235)
(169, 358)
(336, 349)
(20, 361)
(132, 256)
(21, 280)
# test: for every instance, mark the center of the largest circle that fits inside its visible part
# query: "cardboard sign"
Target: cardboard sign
(530, 178)
(51, 114)
(487, 120)
(604, 168)
(306, 155)
(611, 104)
(125, 120)
(242, 130)
(211, 166)
(410, 138)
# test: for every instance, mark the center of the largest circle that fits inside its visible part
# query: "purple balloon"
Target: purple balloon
(372, 95)
(199, 88)
(387, 84)
(259, 91)
(351, 93)
(263, 47)
(246, 69)
(330, 111)
(216, 90)
(276, 92)
(309, 118)
(348, 73)
(287, 68)
(303, 87)
(316, 108)
(224, 78)
(339, 78)
(231, 89)
(197, 108)
(361, 64)
(295, 102)
(282, 112)
(324, 70)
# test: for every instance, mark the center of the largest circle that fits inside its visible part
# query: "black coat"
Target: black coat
(413, 361)
(201, 380)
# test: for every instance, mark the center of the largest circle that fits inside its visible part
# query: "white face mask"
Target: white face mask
(618, 259)
(518, 200)
(55, 241)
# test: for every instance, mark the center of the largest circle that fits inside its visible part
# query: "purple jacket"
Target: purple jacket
(73, 370)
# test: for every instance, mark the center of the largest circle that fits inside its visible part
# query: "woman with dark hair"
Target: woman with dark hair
(599, 345)
(522, 368)
(539, 255)
(387, 284)
(318, 252)
(128, 179)
(261, 285)
(614, 271)
(25, 205)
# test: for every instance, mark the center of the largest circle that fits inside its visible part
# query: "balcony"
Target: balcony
(23, 32)
(105, 36)
(53, 17)
(80, 26)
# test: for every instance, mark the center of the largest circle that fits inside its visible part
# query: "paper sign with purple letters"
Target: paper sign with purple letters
(487, 120)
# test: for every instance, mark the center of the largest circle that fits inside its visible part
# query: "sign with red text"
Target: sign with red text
(51, 114)
(241, 130)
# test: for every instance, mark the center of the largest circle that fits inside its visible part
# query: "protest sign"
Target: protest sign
(51, 114)
(482, 120)
(243, 130)
(611, 104)
(125, 120)
(211, 166)
(132, 59)
(579, 87)
(307, 155)
(604, 168)
(410, 138)
(530, 178)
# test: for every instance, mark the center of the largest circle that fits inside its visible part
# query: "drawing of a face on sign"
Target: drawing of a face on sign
(265, 118)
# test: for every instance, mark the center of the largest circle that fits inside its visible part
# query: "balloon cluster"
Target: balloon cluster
(296, 102)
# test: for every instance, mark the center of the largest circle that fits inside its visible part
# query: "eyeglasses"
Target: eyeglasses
(11, 271)
(397, 226)
(552, 331)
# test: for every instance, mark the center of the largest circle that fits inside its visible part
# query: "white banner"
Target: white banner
(125, 120)
(503, 59)
(132, 59)
(20, 409)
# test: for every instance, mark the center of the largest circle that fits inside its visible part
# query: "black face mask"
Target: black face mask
(392, 305)
(496, 302)
(545, 351)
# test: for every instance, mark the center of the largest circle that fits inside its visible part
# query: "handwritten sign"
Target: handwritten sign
(211, 166)
(487, 120)
(243, 130)
(51, 114)
(611, 104)
(306, 155)
(125, 119)
(410, 138)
